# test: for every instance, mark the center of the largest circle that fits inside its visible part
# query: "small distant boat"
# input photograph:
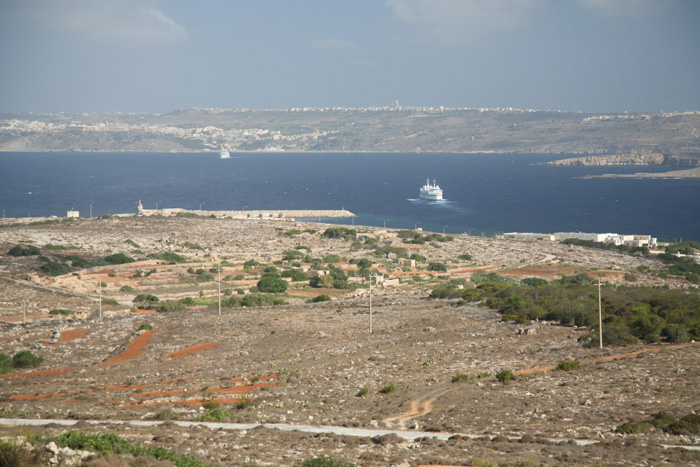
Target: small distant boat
(431, 192)
(224, 154)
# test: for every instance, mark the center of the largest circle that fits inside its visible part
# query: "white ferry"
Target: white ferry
(431, 192)
(224, 154)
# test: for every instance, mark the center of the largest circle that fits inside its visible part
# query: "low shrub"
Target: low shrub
(54, 268)
(568, 365)
(362, 392)
(504, 376)
(324, 461)
(145, 327)
(168, 256)
(16, 453)
(146, 298)
(321, 298)
(5, 363)
(215, 415)
(388, 389)
(118, 258)
(169, 306)
(682, 427)
(30, 250)
(633, 428)
(26, 359)
(462, 378)
(126, 288)
(60, 311)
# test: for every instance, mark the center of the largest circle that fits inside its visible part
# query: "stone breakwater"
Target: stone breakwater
(253, 214)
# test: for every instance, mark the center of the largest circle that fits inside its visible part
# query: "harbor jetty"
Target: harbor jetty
(285, 214)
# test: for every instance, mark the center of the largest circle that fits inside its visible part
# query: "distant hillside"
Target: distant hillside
(385, 129)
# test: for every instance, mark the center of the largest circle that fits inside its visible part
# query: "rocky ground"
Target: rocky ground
(309, 363)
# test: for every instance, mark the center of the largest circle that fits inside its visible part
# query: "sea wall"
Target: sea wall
(252, 214)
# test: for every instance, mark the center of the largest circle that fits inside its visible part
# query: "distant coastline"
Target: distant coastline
(642, 160)
(393, 129)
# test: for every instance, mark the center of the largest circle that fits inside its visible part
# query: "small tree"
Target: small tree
(272, 284)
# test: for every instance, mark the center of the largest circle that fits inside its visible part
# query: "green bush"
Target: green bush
(126, 288)
(60, 311)
(169, 306)
(295, 275)
(16, 453)
(568, 365)
(339, 232)
(388, 389)
(682, 427)
(215, 415)
(320, 298)
(661, 420)
(362, 392)
(504, 376)
(53, 268)
(272, 284)
(324, 461)
(26, 359)
(6, 365)
(462, 378)
(106, 443)
(633, 428)
(168, 256)
(145, 298)
(145, 327)
(78, 262)
(332, 259)
(435, 266)
(119, 258)
(30, 250)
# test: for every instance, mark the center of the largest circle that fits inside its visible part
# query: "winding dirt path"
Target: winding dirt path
(419, 408)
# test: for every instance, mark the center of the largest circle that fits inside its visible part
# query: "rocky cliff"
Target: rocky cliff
(651, 159)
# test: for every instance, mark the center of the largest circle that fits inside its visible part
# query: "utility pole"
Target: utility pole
(24, 309)
(600, 318)
(219, 289)
(90, 208)
(370, 304)
(99, 287)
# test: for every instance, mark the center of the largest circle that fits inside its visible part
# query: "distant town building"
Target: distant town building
(73, 214)
(616, 239)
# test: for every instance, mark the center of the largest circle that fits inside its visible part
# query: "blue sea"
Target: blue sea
(484, 193)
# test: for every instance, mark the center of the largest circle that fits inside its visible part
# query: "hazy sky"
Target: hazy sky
(159, 55)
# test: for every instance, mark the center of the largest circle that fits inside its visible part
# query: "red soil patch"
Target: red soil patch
(74, 334)
(37, 373)
(124, 387)
(145, 312)
(191, 350)
(29, 397)
(46, 344)
(134, 349)
(313, 293)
